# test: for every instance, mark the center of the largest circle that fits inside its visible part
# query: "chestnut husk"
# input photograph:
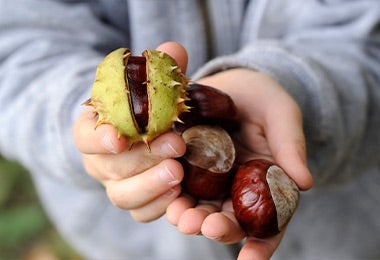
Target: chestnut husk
(141, 97)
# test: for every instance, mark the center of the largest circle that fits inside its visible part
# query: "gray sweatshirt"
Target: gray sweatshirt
(325, 53)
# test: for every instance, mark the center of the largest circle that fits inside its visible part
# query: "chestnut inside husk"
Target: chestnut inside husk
(141, 97)
(137, 79)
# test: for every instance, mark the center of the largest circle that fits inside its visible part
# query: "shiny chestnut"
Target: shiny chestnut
(208, 106)
(264, 198)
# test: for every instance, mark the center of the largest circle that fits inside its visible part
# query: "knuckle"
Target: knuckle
(111, 169)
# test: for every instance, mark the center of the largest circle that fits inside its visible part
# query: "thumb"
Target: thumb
(287, 141)
(177, 52)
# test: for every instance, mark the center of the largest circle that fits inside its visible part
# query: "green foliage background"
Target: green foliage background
(25, 231)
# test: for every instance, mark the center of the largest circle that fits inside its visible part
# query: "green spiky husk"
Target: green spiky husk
(166, 92)
(166, 88)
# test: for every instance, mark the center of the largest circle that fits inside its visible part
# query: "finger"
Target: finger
(136, 160)
(287, 142)
(191, 220)
(259, 249)
(100, 140)
(137, 191)
(157, 207)
(177, 52)
(223, 226)
(178, 207)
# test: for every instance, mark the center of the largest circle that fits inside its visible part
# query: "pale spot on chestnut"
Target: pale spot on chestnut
(285, 194)
(209, 147)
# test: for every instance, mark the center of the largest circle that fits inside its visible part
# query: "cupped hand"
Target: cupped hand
(141, 181)
(271, 128)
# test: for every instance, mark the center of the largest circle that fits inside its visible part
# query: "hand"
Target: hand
(135, 179)
(271, 128)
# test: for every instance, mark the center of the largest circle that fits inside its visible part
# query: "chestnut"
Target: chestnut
(209, 162)
(136, 76)
(264, 198)
(208, 106)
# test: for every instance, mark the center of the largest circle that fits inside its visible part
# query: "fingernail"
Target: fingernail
(216, 238)
(167, 176)
(169, 150)
(108, 145)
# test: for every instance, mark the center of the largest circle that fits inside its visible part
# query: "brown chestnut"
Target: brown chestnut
(264, 198)
(209, 162)
(209, 106)
(136, 76)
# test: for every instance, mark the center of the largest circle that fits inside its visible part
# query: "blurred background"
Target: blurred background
(25, 231)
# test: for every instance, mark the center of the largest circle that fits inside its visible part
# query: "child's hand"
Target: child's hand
(135, 179)
(271, 128)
